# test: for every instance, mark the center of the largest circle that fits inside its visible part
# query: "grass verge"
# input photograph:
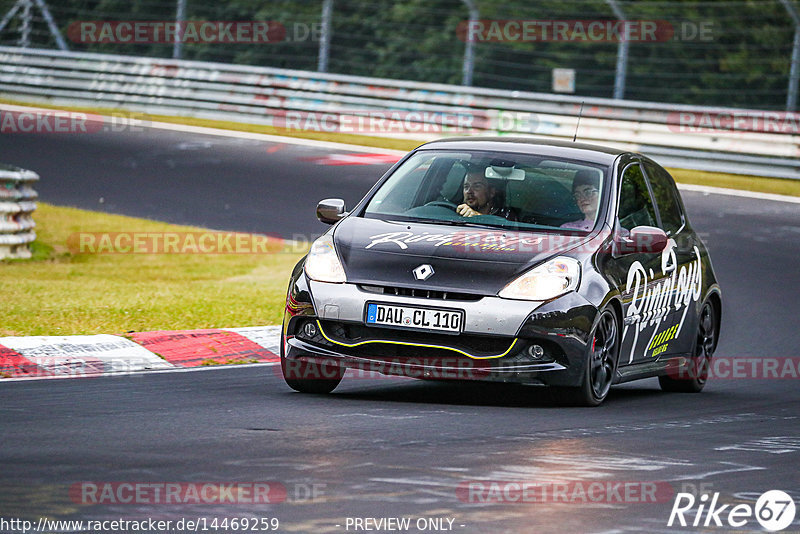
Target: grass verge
(758, 184)
(688, 176)
(63, 292)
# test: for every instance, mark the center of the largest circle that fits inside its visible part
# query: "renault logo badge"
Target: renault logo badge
(423, 272)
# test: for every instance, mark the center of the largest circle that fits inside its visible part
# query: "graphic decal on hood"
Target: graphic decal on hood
(480, 240)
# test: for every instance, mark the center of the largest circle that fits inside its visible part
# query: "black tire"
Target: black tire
(601, 365)
(696, 375)
(310, 377)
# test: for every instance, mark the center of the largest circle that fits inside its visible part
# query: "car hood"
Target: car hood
(464, 259)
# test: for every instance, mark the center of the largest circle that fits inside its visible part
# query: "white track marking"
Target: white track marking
(265, 336)
(108, 355)
(738, 193)
(83, 355)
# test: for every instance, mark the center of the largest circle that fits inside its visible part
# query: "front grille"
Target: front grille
(420, 293)
(415, 344)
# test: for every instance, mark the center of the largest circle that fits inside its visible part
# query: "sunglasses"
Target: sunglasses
(588, 194)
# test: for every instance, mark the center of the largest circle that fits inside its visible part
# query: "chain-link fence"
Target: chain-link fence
(737, 53)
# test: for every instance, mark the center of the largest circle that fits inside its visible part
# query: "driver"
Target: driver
(481, 197)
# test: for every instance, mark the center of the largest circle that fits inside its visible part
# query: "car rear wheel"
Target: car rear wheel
(309, 377)
(601, 364)
(696, 375)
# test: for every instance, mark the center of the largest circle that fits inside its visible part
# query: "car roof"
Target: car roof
(527, 145)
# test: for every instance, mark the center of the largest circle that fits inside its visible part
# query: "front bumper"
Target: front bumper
(503, 340)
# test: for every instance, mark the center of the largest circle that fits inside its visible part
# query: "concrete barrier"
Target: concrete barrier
(16, 208)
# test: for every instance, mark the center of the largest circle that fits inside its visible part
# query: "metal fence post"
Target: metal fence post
(469, 48)
(25, 29)
(794, 70)
(10, 14)
(26, 21)
(325, 36)
(51, 25)
(180, 18)
(622, 52)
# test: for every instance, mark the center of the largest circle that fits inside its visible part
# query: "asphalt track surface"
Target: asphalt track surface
(215, 182)
(391, 447)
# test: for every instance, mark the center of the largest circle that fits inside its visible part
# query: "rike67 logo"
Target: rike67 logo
(774, 510)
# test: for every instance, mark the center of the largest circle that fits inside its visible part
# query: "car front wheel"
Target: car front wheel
(601, 364)
(309, 377)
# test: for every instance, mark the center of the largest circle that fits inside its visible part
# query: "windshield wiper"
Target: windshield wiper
(456, 223)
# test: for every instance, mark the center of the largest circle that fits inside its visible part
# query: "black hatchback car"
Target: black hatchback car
(513, 260)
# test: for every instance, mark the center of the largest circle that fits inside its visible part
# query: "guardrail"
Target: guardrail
(16, 208)
(720, 139)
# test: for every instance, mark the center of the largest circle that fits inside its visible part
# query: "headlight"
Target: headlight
(548, 281)
(322, 263)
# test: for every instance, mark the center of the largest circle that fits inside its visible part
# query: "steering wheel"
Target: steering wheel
(442, 204)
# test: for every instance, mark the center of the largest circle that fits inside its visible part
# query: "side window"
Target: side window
(451, 188)
(666, 195)
(635, 205)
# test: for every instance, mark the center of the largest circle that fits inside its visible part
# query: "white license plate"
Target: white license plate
(414, 318)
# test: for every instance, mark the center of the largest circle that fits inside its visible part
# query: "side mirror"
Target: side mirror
(642, 239)
(331, 210)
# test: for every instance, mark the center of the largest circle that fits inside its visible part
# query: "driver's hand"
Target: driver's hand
(465, 211)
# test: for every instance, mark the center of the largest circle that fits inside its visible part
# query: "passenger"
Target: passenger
(586, 192)
(482, 198)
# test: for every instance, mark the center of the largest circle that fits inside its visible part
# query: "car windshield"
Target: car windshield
(492, 189)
